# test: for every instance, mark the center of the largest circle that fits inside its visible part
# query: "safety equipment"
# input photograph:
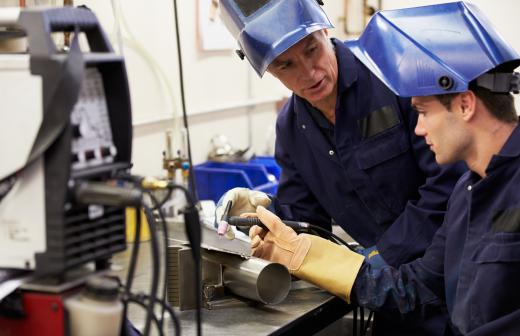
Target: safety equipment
(436, 49)
(243, 201)
(266, 28)
(311, 258)
(373, 257)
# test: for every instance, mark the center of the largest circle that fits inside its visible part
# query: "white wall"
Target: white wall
(217, 84)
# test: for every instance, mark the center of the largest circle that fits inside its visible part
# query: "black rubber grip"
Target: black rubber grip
(245, 222)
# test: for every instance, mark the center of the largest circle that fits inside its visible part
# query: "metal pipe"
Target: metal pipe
(252, 278)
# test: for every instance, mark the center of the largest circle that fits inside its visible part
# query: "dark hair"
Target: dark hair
(500, 105)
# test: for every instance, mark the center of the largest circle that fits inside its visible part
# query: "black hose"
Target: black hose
(155, 268)
(142, 304)
(133, 257)
(183, 100)
(165, 248)
(329, 233)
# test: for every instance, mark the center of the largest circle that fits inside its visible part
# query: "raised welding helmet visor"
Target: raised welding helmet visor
(265, 29)
(436, 49)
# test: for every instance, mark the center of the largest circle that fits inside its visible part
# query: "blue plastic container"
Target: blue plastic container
(215, 178)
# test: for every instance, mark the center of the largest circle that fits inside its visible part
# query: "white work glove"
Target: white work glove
(244, 200)
(311, 258)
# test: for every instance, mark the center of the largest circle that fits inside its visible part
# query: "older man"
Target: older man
(465, 113)
(345, 144)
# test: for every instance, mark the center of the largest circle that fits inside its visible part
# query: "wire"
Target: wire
(183, 101)
(330, 234)
(367, 326)
(165, 243)
(139, 299)
(155, 267)
(133, 257)
(159, 204)
(361, 320)
(142, 304)
(354, 322)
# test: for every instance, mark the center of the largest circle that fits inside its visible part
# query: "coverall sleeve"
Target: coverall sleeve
(294, 200)
(421, 217)
(507, 325)
(407, 288)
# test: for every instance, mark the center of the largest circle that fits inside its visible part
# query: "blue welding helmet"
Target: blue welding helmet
(266, 28)
(436, 49)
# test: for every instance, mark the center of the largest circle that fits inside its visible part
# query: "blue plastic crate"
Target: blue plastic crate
(215, 178)
(269, 163)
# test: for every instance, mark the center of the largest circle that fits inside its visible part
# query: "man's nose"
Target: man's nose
(307, 67)
(419, 128)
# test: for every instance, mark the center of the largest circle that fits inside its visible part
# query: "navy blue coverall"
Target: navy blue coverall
(369, 172)
(473, 263)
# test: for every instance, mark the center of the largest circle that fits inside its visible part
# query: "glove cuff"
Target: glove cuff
(329, 266)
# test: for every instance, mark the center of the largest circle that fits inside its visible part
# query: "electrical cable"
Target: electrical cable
(330, 234)
(183, 100)
(145, 306)
(361, 320)
(175, 320)
(193, 231)
(133, 257)
(165, 247)
(171, 188)
(369, 320)
(155, 267)
(159, 204)
(194, 238)
(354, 321)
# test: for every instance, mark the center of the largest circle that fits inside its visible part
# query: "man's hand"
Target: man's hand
(280, 244)
(244, 201)
(311, 258)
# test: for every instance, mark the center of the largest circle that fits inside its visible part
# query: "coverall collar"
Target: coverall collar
(347, 70)
(511, 149)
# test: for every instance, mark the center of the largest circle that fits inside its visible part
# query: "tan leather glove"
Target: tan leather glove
(311, 258)
(244, 201)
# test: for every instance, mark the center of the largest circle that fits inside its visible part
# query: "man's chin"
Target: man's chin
(315, 99)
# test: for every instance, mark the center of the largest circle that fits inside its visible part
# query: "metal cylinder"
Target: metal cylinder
(253, 278)
(9, 16)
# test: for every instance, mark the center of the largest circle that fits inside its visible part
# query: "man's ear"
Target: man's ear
(468, 103)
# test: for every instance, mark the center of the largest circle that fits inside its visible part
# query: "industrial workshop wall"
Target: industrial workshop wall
(223, 95)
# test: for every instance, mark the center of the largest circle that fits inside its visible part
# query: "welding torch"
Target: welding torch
(248, 222)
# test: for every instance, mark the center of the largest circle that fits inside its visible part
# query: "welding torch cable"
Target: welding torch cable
(155, 267)
(133, 258)
(155, 320)
(141, 299)
(248, 222)
(165, 248)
